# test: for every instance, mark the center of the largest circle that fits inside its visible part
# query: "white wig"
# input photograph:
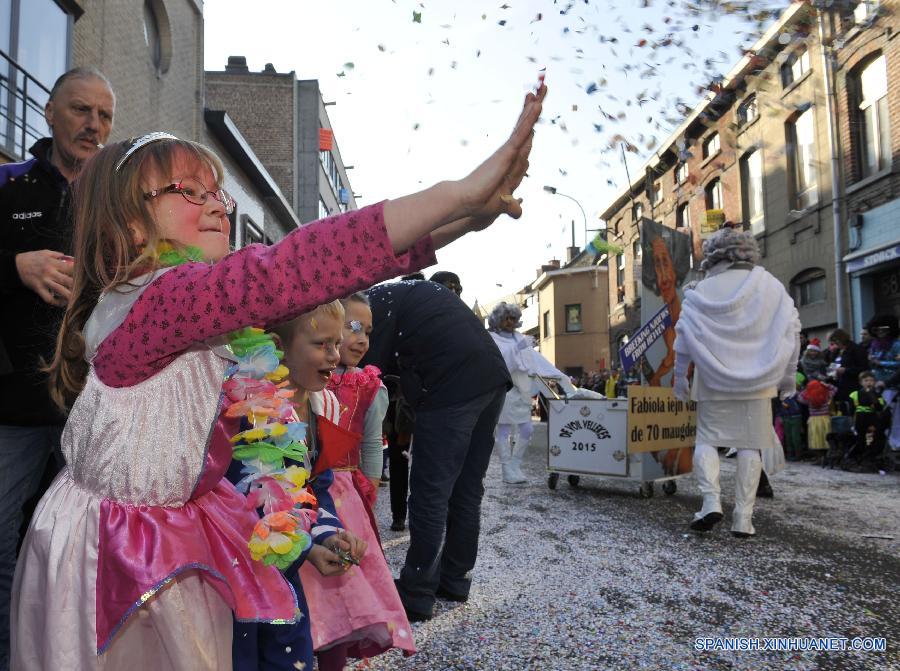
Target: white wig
(500, 312)
(730, 245)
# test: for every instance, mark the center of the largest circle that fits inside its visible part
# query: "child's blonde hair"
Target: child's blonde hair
(287, 330)
(107, 201)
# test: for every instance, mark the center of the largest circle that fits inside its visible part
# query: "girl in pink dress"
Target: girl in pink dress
(138, 554)
(358, 614)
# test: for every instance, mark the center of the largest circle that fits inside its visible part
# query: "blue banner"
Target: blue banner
(631, 352)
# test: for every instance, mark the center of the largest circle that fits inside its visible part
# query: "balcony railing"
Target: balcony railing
(22, 100)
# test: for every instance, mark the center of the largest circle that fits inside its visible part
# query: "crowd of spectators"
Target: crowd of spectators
(847, 402)
(612, 383)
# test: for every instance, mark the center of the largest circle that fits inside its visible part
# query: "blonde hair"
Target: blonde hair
(286, 330)
(107, 201)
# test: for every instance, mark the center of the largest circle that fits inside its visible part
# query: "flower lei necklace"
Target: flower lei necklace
(273, 451)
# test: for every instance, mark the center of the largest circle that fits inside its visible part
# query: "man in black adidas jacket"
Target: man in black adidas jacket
(454, 377)
(35, 279)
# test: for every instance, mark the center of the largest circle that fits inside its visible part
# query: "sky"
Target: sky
(425, 91)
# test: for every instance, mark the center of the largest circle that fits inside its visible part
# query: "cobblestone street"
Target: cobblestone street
(595, 577)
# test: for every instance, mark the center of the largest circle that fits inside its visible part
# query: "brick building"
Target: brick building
(867, 85)
(152, 53)
(764, 149)
(287, 123)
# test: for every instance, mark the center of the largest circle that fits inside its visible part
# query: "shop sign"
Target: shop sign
(874, 259)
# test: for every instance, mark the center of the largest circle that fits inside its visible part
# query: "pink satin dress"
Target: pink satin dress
(137, 557)
(360, 608)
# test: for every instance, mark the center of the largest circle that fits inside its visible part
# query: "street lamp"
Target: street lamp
(553, 191)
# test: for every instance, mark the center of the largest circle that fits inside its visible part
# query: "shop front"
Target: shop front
(874, 282)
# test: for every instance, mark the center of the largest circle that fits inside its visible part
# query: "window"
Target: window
(637, 212)
(808, 287)
(795, 67)
(655, 194)
(752, 190)
(333, 173)
(35, 34)
(636, 257)
(573, 318)
(620, 278)
(547, 324)
(747, 111)
(158, 35)
(874, 129)
(232, 229)
(802, 147)
(865, 11)
(714, 195)
(683, 216)
(252, 233)
(711, 145)
(681, 173)
(323, 209)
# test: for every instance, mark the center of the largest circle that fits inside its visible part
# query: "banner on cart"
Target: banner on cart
(632, 351)
(667, 265)
(659, 421)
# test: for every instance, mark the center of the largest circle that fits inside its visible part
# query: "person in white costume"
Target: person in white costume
(514, 428)
(740, 329)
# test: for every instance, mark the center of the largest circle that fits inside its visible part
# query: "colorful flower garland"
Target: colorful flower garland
(273, 451)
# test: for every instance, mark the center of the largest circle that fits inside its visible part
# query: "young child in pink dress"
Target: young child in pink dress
(138, 554)
(358, 614)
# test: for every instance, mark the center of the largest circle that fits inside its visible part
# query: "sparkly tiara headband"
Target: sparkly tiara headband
(143, 141)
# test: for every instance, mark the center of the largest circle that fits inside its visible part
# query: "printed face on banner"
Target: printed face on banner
(661, 281)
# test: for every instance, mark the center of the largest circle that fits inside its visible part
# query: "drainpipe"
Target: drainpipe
(840, 281)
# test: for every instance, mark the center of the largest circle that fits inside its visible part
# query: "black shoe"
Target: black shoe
(416, 616)
(413, 615)
(442, 593)
(765, 492)
(707, 522)
(741, 534)
(397, 526)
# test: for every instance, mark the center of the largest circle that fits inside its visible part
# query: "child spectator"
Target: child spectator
(812, 363)
(817, 396)
(790, 412)
(867, 407)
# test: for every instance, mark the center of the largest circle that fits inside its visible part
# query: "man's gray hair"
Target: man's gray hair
(81, 72)
(500, 312)
(729, 245)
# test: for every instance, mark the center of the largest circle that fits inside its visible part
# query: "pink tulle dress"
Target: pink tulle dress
(360, 608)
(137, 555)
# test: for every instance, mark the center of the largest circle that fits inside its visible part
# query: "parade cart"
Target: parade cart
(647, 437)
(612, 438)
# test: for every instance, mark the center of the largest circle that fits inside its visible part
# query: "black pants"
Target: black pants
(398, 469)
(863, 423)
(452, 450)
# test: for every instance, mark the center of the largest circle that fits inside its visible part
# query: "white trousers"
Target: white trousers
(706, 469)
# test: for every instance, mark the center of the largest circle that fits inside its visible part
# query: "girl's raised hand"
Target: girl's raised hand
(488, 191)
(451, 209)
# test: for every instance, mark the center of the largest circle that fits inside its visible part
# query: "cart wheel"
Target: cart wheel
(573, 480)
(670, 487)
(646, 490)
(552, 479)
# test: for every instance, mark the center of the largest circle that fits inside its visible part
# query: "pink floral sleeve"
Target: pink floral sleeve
(256, 285)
